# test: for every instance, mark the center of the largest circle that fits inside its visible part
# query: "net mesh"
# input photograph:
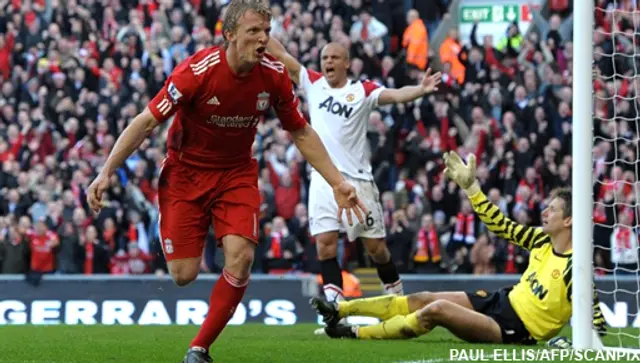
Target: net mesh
(616, 151)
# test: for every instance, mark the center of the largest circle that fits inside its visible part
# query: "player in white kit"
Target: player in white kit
(339, 110)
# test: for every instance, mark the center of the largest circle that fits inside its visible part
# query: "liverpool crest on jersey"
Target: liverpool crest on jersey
(263, 101)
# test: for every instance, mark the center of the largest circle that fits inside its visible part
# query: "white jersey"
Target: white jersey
(340, 117)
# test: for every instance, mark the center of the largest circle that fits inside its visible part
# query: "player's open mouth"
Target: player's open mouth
(261, 51)
(329, 71)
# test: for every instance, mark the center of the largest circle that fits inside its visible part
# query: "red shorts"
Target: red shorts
(191, 199)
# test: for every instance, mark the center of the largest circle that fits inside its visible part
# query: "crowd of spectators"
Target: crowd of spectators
(75, 72)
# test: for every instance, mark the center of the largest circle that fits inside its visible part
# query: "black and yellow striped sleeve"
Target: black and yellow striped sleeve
(567, 276)
(599, 323)
(498, 223)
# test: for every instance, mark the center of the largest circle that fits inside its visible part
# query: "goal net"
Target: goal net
(616, 150)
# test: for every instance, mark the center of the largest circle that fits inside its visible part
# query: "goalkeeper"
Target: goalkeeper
(534, 309)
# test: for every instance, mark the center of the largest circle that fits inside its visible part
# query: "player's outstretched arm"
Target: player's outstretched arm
(429, 84)
(313, 150)
(293, 66)
(129, 141)
(465, 176)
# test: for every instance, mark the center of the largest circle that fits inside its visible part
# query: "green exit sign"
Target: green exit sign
(489, 13)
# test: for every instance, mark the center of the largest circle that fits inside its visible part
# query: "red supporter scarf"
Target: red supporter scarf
(623, 238)
(427, 245)
(463, 221)
(599, 215)
(364, 33)
(133, 233)
(510, 268)
(88, 259)
(109, 238)
(276, 246)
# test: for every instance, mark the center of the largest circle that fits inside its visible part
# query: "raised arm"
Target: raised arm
(489, 213)
(409, 93)
(293, 66)
(501, 225)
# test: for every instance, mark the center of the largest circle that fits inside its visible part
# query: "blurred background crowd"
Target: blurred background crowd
(73, 74)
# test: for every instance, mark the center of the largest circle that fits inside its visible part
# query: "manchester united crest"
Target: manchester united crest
(351, 97)
(555, 274)
(263, 101)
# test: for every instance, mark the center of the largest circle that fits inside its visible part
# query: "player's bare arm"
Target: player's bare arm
(429, 84)
(129, 141)
(293, 66)
(313, 150)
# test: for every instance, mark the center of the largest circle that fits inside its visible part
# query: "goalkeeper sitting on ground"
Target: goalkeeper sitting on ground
(534, 309)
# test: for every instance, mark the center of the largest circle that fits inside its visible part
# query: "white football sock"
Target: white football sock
(333, 293)
(395, 288)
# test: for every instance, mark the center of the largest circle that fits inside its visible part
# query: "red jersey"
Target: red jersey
(43, 251)
(217, 111)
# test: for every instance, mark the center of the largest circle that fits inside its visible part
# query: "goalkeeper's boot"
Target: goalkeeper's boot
(560, 343)
(197, 355)
(341, 331)
(328, 311)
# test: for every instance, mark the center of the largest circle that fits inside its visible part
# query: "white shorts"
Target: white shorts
(323, 209)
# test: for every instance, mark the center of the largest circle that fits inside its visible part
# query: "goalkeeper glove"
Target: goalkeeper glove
(559, 343)
(463, 174)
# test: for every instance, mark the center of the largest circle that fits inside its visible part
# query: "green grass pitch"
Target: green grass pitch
(247, 343)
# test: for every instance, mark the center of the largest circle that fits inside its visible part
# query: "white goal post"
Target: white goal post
(583, 333)
(582, 177)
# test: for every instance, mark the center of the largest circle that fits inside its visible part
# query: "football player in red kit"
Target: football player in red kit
(218, 96)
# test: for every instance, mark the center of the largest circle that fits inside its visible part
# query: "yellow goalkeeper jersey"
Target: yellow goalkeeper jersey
(542, 297)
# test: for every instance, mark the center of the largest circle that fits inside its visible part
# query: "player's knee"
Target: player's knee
(327, 246)
(420, 300)
(239, 264)
(182, 280)
(435, 311)
(182, 274)
(377, 249)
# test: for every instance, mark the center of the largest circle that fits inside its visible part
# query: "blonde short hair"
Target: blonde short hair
(236, 10)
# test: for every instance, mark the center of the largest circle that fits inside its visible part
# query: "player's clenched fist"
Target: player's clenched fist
(96, 189)
(347, 200)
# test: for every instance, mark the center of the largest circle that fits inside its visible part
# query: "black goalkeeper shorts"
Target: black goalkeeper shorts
(497, 306)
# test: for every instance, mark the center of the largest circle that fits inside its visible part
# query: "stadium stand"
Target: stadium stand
(74, 73)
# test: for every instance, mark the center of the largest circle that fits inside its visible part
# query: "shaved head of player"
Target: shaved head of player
(334, 61)
(215, 100)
